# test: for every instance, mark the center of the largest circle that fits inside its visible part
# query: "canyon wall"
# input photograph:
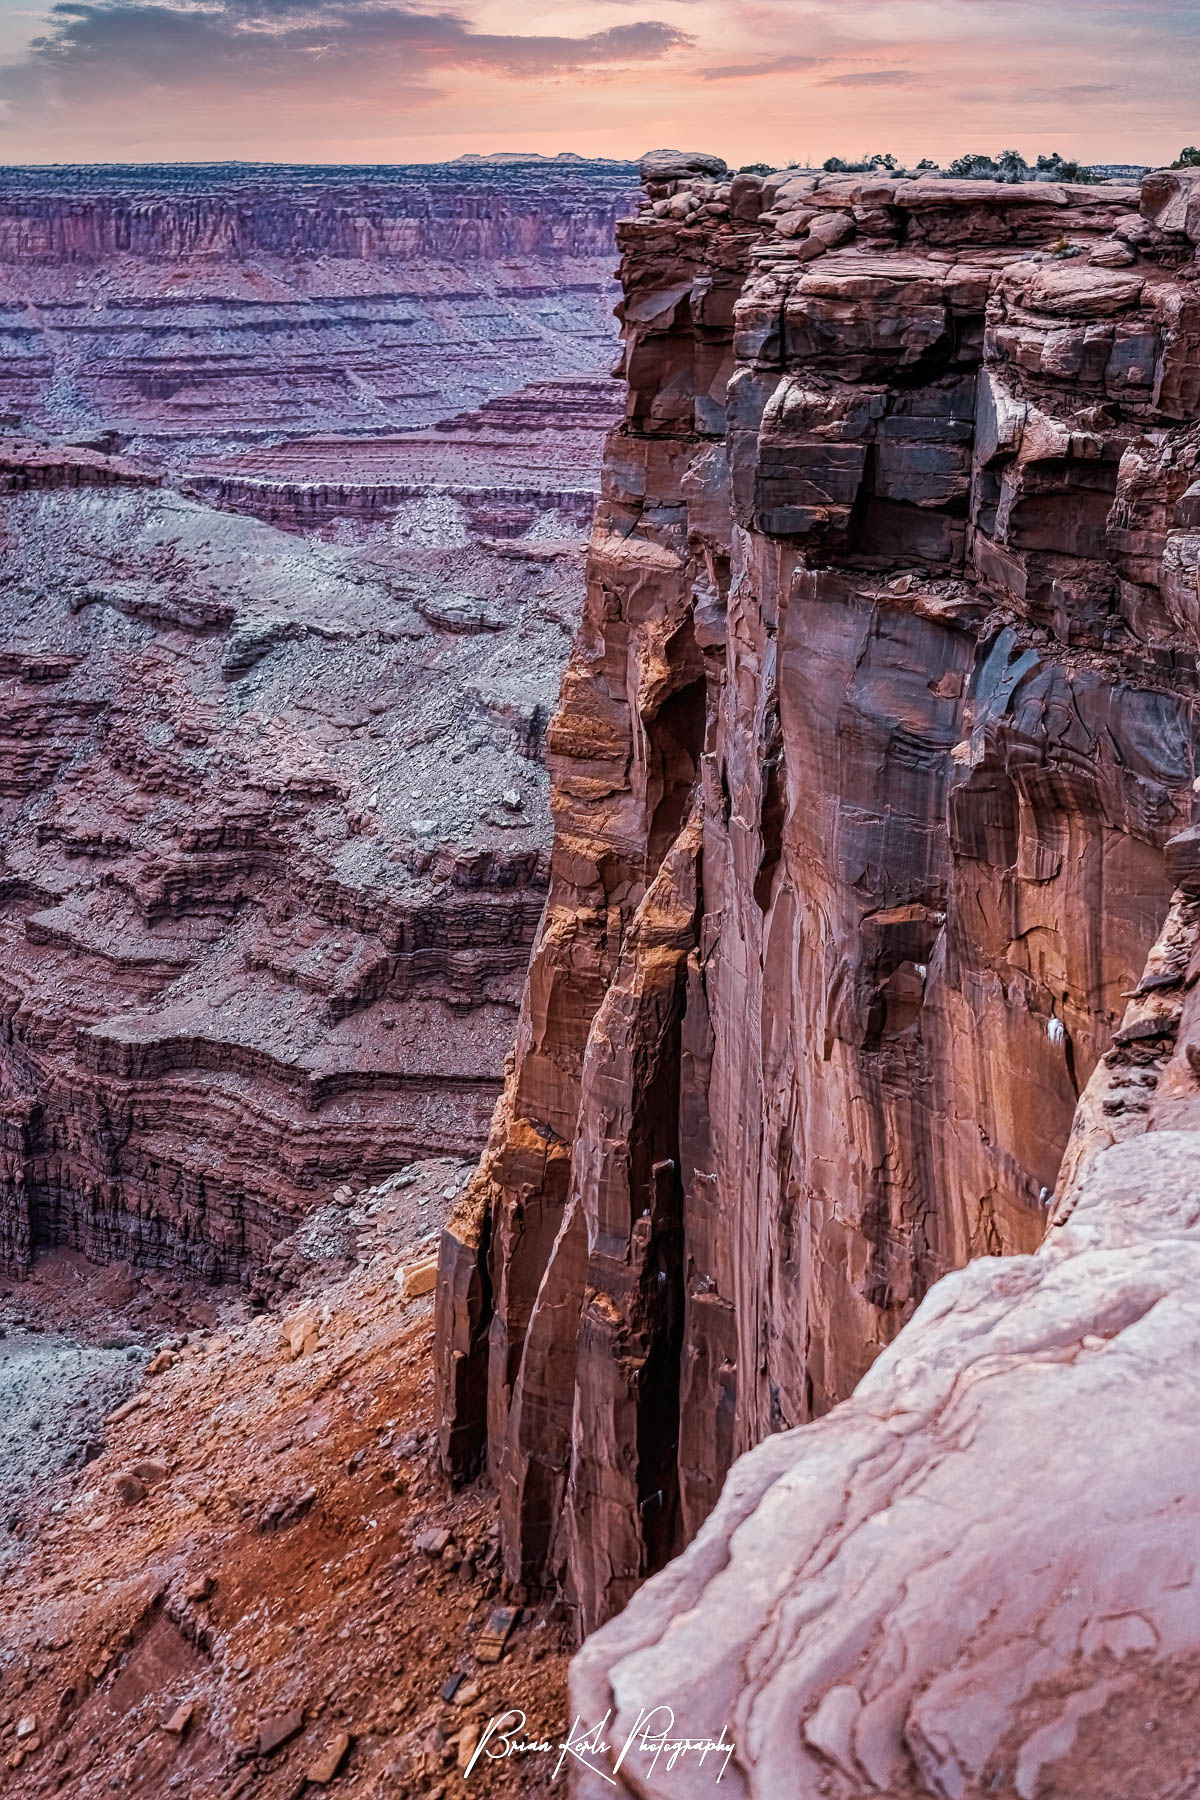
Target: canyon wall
(978, 1575)
(274, 848)
(200, 309)
(878, 724)
(272, 787)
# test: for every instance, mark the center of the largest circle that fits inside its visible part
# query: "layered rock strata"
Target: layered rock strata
(524, 464)
(274, 831)
(233, 305)
(273, 848)
(882, 712)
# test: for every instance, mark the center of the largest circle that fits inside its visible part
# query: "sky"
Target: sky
(769, 80)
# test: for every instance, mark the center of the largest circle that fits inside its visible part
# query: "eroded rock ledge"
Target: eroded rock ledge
(881, 715)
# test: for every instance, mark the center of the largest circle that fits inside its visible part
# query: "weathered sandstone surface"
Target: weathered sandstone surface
(871, 751)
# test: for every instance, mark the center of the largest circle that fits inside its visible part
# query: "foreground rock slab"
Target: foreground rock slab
(978, 1575)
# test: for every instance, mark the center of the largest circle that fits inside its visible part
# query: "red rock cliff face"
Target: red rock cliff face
(881, 714)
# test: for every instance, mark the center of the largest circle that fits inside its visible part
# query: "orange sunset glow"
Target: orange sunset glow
(371, 80)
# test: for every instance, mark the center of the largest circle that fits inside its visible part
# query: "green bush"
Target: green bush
(1187, 159)
(973, 168)
(833, 165)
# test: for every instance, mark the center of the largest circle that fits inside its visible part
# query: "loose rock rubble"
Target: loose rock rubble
(258, 1582)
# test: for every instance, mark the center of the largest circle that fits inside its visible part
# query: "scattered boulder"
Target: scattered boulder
(465, 1745)
(418, 1277)
(287, 1510)
(275, 1732)
(459, 612)
(678, 165)
(492, 1641)
(301, 1335)
(329, 1763)
(150, 1472)
(126, 1409)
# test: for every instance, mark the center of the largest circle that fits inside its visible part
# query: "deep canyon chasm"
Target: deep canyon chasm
(872, 894)
(299, 472)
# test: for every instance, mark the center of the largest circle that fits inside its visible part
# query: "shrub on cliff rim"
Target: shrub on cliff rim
(1187, 159)
(1010, 167)
(972, 168)
(1078, 172)
(757, 169)
(833, 165)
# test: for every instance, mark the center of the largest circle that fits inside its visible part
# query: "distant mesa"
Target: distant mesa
(474, 159)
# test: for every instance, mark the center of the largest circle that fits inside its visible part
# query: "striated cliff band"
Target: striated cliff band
(239, 303)
(413, 348)
(273, 832)
(872, 780)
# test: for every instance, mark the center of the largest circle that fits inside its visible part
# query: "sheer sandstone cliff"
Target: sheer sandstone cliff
(881, 716)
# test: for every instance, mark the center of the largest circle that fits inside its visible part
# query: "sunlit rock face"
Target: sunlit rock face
(881, 715)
